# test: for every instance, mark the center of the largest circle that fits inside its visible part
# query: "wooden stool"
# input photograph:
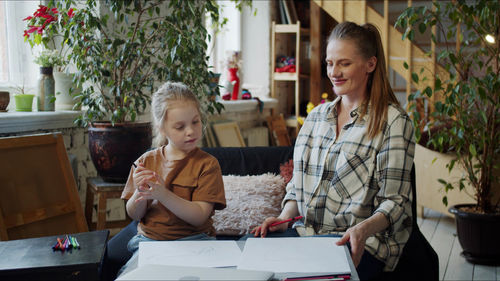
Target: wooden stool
(104, 191)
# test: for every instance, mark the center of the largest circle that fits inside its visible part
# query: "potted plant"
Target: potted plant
(467, 112)
(123, 50)
(44, 29)
(24, 101)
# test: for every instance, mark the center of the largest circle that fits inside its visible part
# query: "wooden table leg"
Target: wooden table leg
(89, 205)
(101, 210)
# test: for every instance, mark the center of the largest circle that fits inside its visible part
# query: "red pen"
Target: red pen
(288, 220)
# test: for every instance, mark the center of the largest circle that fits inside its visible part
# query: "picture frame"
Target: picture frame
(228, 134)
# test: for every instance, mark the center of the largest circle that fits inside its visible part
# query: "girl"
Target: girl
(353, 158)
(175, 188)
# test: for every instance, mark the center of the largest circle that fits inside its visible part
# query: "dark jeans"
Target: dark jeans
(369, 267)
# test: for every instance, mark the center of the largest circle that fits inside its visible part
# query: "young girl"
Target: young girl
(174, 189)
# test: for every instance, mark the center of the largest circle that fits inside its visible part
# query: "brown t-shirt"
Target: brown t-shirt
(197, 177)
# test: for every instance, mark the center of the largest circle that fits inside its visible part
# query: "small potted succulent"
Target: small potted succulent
(23, 100)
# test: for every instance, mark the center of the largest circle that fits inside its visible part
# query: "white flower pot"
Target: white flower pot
(63, 82)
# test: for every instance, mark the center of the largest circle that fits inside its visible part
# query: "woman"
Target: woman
(353, 158)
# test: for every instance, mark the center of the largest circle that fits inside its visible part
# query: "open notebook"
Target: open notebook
(295, 257)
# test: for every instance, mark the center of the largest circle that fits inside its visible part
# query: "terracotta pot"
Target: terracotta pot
(478, 235)
(4, 100)
(113, 149)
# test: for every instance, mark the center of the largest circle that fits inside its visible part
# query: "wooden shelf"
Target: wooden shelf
(291, 28)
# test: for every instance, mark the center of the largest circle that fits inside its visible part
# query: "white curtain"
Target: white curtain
(17, 66)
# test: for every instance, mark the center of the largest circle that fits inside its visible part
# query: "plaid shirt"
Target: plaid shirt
(340, 181)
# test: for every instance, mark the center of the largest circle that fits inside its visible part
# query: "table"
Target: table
(34, 259)
(104, 191)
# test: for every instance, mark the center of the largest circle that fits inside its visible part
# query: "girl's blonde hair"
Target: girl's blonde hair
(162, 99)
(379, 92)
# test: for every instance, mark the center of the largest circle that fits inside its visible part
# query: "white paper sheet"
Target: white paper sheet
(294, 257)
(189, 253)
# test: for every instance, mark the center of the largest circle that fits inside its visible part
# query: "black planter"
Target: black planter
(478, 235)
(113, 149)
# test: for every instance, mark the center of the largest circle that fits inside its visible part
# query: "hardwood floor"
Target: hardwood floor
(440, 231)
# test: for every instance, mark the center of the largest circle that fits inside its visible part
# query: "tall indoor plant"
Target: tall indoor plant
(466, 111)
(124, 49)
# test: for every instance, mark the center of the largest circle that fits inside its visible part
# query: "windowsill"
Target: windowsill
(15, 122)
(247, 105)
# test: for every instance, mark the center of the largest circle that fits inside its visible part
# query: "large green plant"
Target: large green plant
(123, 49)
(467, 103)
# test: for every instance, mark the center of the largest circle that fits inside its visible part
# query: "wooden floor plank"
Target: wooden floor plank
(442, 242)
(484, 272)
(458, 268)
(430, 223)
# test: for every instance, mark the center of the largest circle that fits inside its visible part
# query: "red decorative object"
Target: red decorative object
(235, 81)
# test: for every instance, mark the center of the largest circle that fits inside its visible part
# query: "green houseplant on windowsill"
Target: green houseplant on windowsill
(123, 50)
(24, 101)
(467, 111)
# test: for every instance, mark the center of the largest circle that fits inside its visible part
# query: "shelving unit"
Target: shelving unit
(285, 48)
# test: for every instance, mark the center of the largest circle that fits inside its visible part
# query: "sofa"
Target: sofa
(418, 260)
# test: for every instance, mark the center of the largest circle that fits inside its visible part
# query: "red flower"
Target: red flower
(28, 18)
(70, 13)
(32, 29)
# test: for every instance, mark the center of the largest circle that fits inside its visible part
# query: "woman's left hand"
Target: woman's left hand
(357, 237)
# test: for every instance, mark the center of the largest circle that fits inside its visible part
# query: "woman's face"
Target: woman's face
(347, 69)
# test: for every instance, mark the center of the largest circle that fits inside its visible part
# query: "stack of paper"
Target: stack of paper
(295, 257)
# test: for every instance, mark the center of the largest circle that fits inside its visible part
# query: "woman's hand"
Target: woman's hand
(265, 227)
(357, 236)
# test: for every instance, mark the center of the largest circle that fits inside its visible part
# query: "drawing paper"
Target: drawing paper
(189, 253)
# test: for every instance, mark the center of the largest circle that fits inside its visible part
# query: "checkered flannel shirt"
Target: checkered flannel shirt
(340, 181)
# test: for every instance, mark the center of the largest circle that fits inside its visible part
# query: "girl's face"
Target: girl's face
(347, 69)
(182, 125)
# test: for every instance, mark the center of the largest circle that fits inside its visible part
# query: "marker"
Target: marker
(288, 220)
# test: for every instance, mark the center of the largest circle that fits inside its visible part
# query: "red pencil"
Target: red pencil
(288, 220)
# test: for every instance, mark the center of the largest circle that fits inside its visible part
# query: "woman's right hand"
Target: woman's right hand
(262, 229)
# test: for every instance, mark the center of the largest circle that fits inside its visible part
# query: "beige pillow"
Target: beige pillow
(250, 200)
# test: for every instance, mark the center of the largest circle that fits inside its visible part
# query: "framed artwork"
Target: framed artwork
(228, 134)
(39, 193)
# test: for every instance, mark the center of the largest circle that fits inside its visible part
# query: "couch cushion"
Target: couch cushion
(250, 200)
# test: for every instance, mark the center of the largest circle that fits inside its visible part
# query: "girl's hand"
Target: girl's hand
(152, 189)
(141, 176)
(265, 226)
(357, 238)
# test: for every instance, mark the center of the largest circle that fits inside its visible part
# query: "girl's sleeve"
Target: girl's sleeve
(210, 186)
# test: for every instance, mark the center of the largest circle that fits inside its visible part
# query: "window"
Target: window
(16, 59)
